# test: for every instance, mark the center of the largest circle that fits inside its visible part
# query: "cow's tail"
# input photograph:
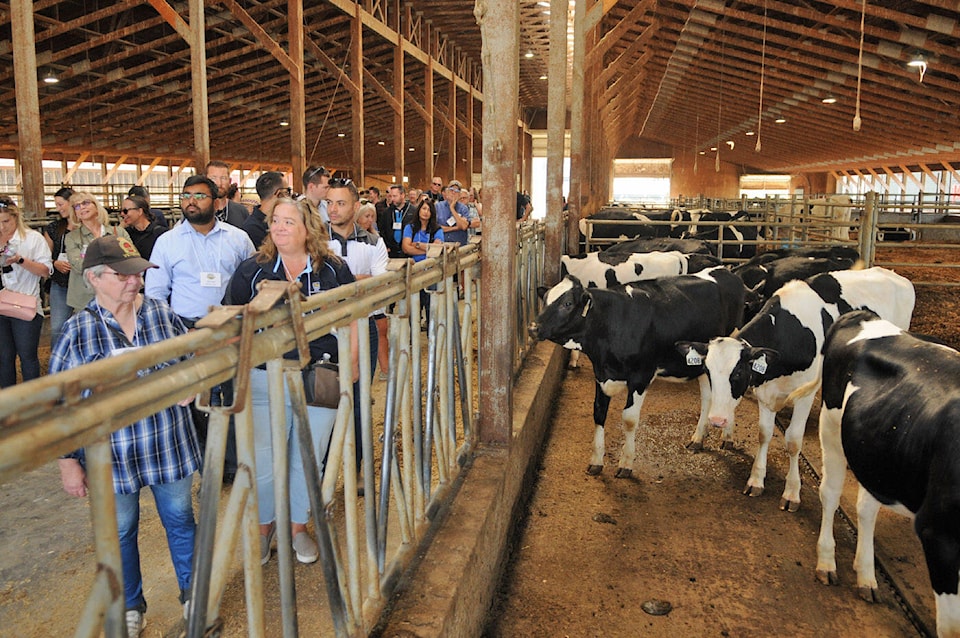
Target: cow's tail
(804, 390)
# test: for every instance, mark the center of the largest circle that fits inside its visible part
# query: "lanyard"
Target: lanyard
(200, 264)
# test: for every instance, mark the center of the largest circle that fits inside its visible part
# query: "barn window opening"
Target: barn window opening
(642, 181)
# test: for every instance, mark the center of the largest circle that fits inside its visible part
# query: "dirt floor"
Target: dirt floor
(593, 550)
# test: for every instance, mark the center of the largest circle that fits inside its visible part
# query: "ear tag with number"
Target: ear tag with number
(760, 364)
(694, 358)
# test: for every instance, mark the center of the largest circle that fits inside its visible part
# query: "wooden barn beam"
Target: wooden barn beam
(170, 15)
(356, 113)
(613, 36)
(499, 24)
(30, 157)
(142, 179)
(556, 127)
(399, 117)
(428, 165)
(575, 199)
(298, 125)
(468, 133)
(198, 82)
(113, 171)
(67, 175)
(451, 125)
(596, 12)
(911, 177)
(260, 34)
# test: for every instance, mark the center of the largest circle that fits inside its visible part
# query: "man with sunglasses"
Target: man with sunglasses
(271, 186)
(316, 181)
(195, 261)
(436, 190)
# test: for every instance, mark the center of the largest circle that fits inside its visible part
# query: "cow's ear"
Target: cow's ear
(693, 352)
(542, 291)
(760, 360)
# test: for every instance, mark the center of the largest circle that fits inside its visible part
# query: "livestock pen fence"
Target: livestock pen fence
(922, 235)
(409, 465)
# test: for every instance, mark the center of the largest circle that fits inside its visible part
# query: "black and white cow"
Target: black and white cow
(595, 228)
(827, 251)
(778, 351)
(629, 335)
(605, 270)
(767, 278)
(735, 242)
(891, 412)
(660, 244)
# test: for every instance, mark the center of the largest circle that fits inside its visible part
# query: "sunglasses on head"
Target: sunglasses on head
(283, 192)
(340, 182)
(317, 171)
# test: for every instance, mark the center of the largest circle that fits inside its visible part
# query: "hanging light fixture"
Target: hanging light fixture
(919, 63)
(829, 100)
(284, 122)
(50, 77)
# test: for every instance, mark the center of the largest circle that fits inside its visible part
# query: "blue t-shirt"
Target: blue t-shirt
(421, 236)
(445, 217)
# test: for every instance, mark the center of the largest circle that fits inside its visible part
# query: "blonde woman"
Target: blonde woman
(25, 260)
(295, 249)
(90, 220)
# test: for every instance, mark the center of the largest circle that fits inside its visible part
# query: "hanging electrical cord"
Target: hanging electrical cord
(763, 68)
(696, 145)
(323, 125)
(719, 105)
(856, 117)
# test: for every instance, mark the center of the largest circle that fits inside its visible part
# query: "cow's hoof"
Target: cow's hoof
(624, 472)
(869, 594)
(594, 470)
(753, 490)
(827, 578)
(727, 445)
(695, 446)
(789, 506)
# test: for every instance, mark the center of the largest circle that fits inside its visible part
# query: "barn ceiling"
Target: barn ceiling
(686, 74)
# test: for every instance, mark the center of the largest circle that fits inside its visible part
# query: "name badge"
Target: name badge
(209, 279)
(116, 352)
(397, 226)
(452, 221)
(62, 257)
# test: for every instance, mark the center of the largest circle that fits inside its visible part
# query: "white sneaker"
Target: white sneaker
(305, 548)
(135, 623)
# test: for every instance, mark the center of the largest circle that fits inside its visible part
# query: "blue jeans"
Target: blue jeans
(357, 425)
(175, 506)
(321, 429)
(19, 338)
(59, 311)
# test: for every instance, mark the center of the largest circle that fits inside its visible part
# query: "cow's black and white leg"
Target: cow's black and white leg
(831, 487)
(601, 404)
(703, 423)
(935, 525)
(793, 442)
(759, 470)
(867, 509)
(631, 418)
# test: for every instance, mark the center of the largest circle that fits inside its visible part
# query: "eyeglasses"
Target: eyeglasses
(453, 189)
(340, 182)
(317, 171)
(85, 202)
(438, 183)
(197, 196)
(285, 192)
(124, 211)
(122, 277)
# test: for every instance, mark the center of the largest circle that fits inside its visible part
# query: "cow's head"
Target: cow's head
(732, 366)
(563, 316)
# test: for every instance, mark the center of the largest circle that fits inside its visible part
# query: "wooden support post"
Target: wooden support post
(298, 125)
(428, 122)
(469, 134)
(399, 119)
(356, 74)
(452, 142)
(499, 24)
(576, 128)
(28, 108)
(198, 75)
(556, 126)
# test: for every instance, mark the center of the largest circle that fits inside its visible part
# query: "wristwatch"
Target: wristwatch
(20, 261)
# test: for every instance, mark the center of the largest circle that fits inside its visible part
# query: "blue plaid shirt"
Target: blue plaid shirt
(161, 448)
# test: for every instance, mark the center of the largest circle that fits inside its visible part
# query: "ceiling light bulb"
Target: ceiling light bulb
(919, 63)
(829, 100)
(284, 122)
(50, 78)
(780, 120)
(528, 54)
(341, 134)
(410, 149)
(543, 77)
(381, 143)
(749, 133)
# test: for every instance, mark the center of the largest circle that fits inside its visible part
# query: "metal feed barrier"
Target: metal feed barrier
(427, 435)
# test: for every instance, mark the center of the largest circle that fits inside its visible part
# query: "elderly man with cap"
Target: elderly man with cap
(452, 215)
(159, 451)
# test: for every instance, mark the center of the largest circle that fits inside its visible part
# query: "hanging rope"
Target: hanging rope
(763, 68)
(856, 117)
(696, 145)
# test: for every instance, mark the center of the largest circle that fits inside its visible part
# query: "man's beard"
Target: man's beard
(199, 216)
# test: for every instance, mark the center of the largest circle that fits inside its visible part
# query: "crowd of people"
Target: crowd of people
(116, 288)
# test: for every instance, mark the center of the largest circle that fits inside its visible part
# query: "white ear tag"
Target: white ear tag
(694, 358)
(760, 364)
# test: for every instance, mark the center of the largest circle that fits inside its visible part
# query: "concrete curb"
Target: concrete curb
(450, 590)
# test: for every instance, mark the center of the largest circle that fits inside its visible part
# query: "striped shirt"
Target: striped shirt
(160, 448)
